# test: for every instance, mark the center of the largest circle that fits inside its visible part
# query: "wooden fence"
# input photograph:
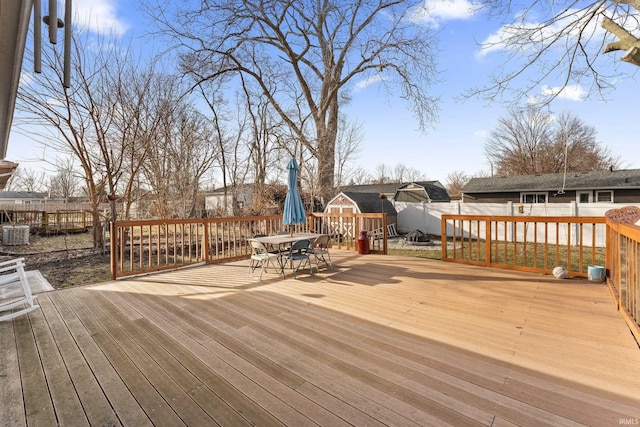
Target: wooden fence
(145, 246)
(61, 221)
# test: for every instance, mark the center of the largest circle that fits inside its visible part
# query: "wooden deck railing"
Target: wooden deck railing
(145, 246)
(536, 244)
(623, 278)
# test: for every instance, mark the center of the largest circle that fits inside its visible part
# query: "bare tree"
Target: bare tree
(183, 150)
(403, 173)
(348, 146)
(27, 179)
(381, 174)
(399, 173)
(563, 44)
(305, 57)
(455, 181)
(99, 121)
(139, 105)
(65, 182)
(359, 176)
(530, 141)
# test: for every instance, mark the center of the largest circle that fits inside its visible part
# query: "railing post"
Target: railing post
(384, 233)
(443, 237)
(206, 241)
(112, 250)
(487, 241)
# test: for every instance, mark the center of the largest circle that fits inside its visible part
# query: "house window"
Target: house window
(584, 197)
(604, 196)
(533, 198)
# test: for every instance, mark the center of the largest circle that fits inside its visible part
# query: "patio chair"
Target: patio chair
(261, 257)
(298, 256)
(320, 250)
(15, 286)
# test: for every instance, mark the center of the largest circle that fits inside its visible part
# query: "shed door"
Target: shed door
(342, 226)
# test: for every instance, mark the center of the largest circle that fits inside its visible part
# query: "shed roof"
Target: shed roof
(372, 188)
(593, 180)
(434, 191)
(368, 202)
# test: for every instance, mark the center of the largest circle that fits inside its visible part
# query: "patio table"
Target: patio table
(282, 241)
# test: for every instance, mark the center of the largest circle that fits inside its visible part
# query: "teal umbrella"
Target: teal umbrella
(293, 212)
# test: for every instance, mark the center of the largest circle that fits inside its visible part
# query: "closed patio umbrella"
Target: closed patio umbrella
(293, 212)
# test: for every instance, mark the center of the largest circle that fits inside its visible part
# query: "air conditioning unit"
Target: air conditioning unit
(13, 235)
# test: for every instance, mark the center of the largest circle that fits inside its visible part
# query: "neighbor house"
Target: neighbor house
(611, 186)
(23, 200)
(226, 203)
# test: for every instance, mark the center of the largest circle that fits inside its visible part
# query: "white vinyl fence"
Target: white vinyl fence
(426, 218)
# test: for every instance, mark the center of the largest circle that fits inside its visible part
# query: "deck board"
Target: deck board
(375, 340)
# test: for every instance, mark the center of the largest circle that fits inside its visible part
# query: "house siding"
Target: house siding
(492, 197)
(626, 196)
(568, 196)
(622, 196)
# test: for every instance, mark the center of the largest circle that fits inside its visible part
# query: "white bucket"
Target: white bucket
(596, 273)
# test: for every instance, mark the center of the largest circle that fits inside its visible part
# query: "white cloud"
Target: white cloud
(536, 34)
(570, 93)
(434, 12)
(363, 84)
(574, 93)
(99, 16)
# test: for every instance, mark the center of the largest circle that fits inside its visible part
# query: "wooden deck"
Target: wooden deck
(377, 340)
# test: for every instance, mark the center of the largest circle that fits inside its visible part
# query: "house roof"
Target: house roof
(14, 25)
(22, 195)
(594, 180)
(6, 170)
(434, 189)
(368, 202)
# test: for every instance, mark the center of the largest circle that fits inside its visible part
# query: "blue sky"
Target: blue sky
(456, 141)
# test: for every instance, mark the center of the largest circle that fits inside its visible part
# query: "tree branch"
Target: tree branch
(627, 41)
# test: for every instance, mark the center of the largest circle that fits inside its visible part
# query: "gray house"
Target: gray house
(611, 186)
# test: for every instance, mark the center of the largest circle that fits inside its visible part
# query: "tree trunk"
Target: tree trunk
(98, 236)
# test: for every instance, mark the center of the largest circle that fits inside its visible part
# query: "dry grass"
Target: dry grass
(64, 260)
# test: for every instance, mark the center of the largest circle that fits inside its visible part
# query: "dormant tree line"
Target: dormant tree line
(259, 82)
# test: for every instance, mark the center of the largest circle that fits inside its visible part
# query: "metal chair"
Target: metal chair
(260, 256)
(299, 253)
(320, 250)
